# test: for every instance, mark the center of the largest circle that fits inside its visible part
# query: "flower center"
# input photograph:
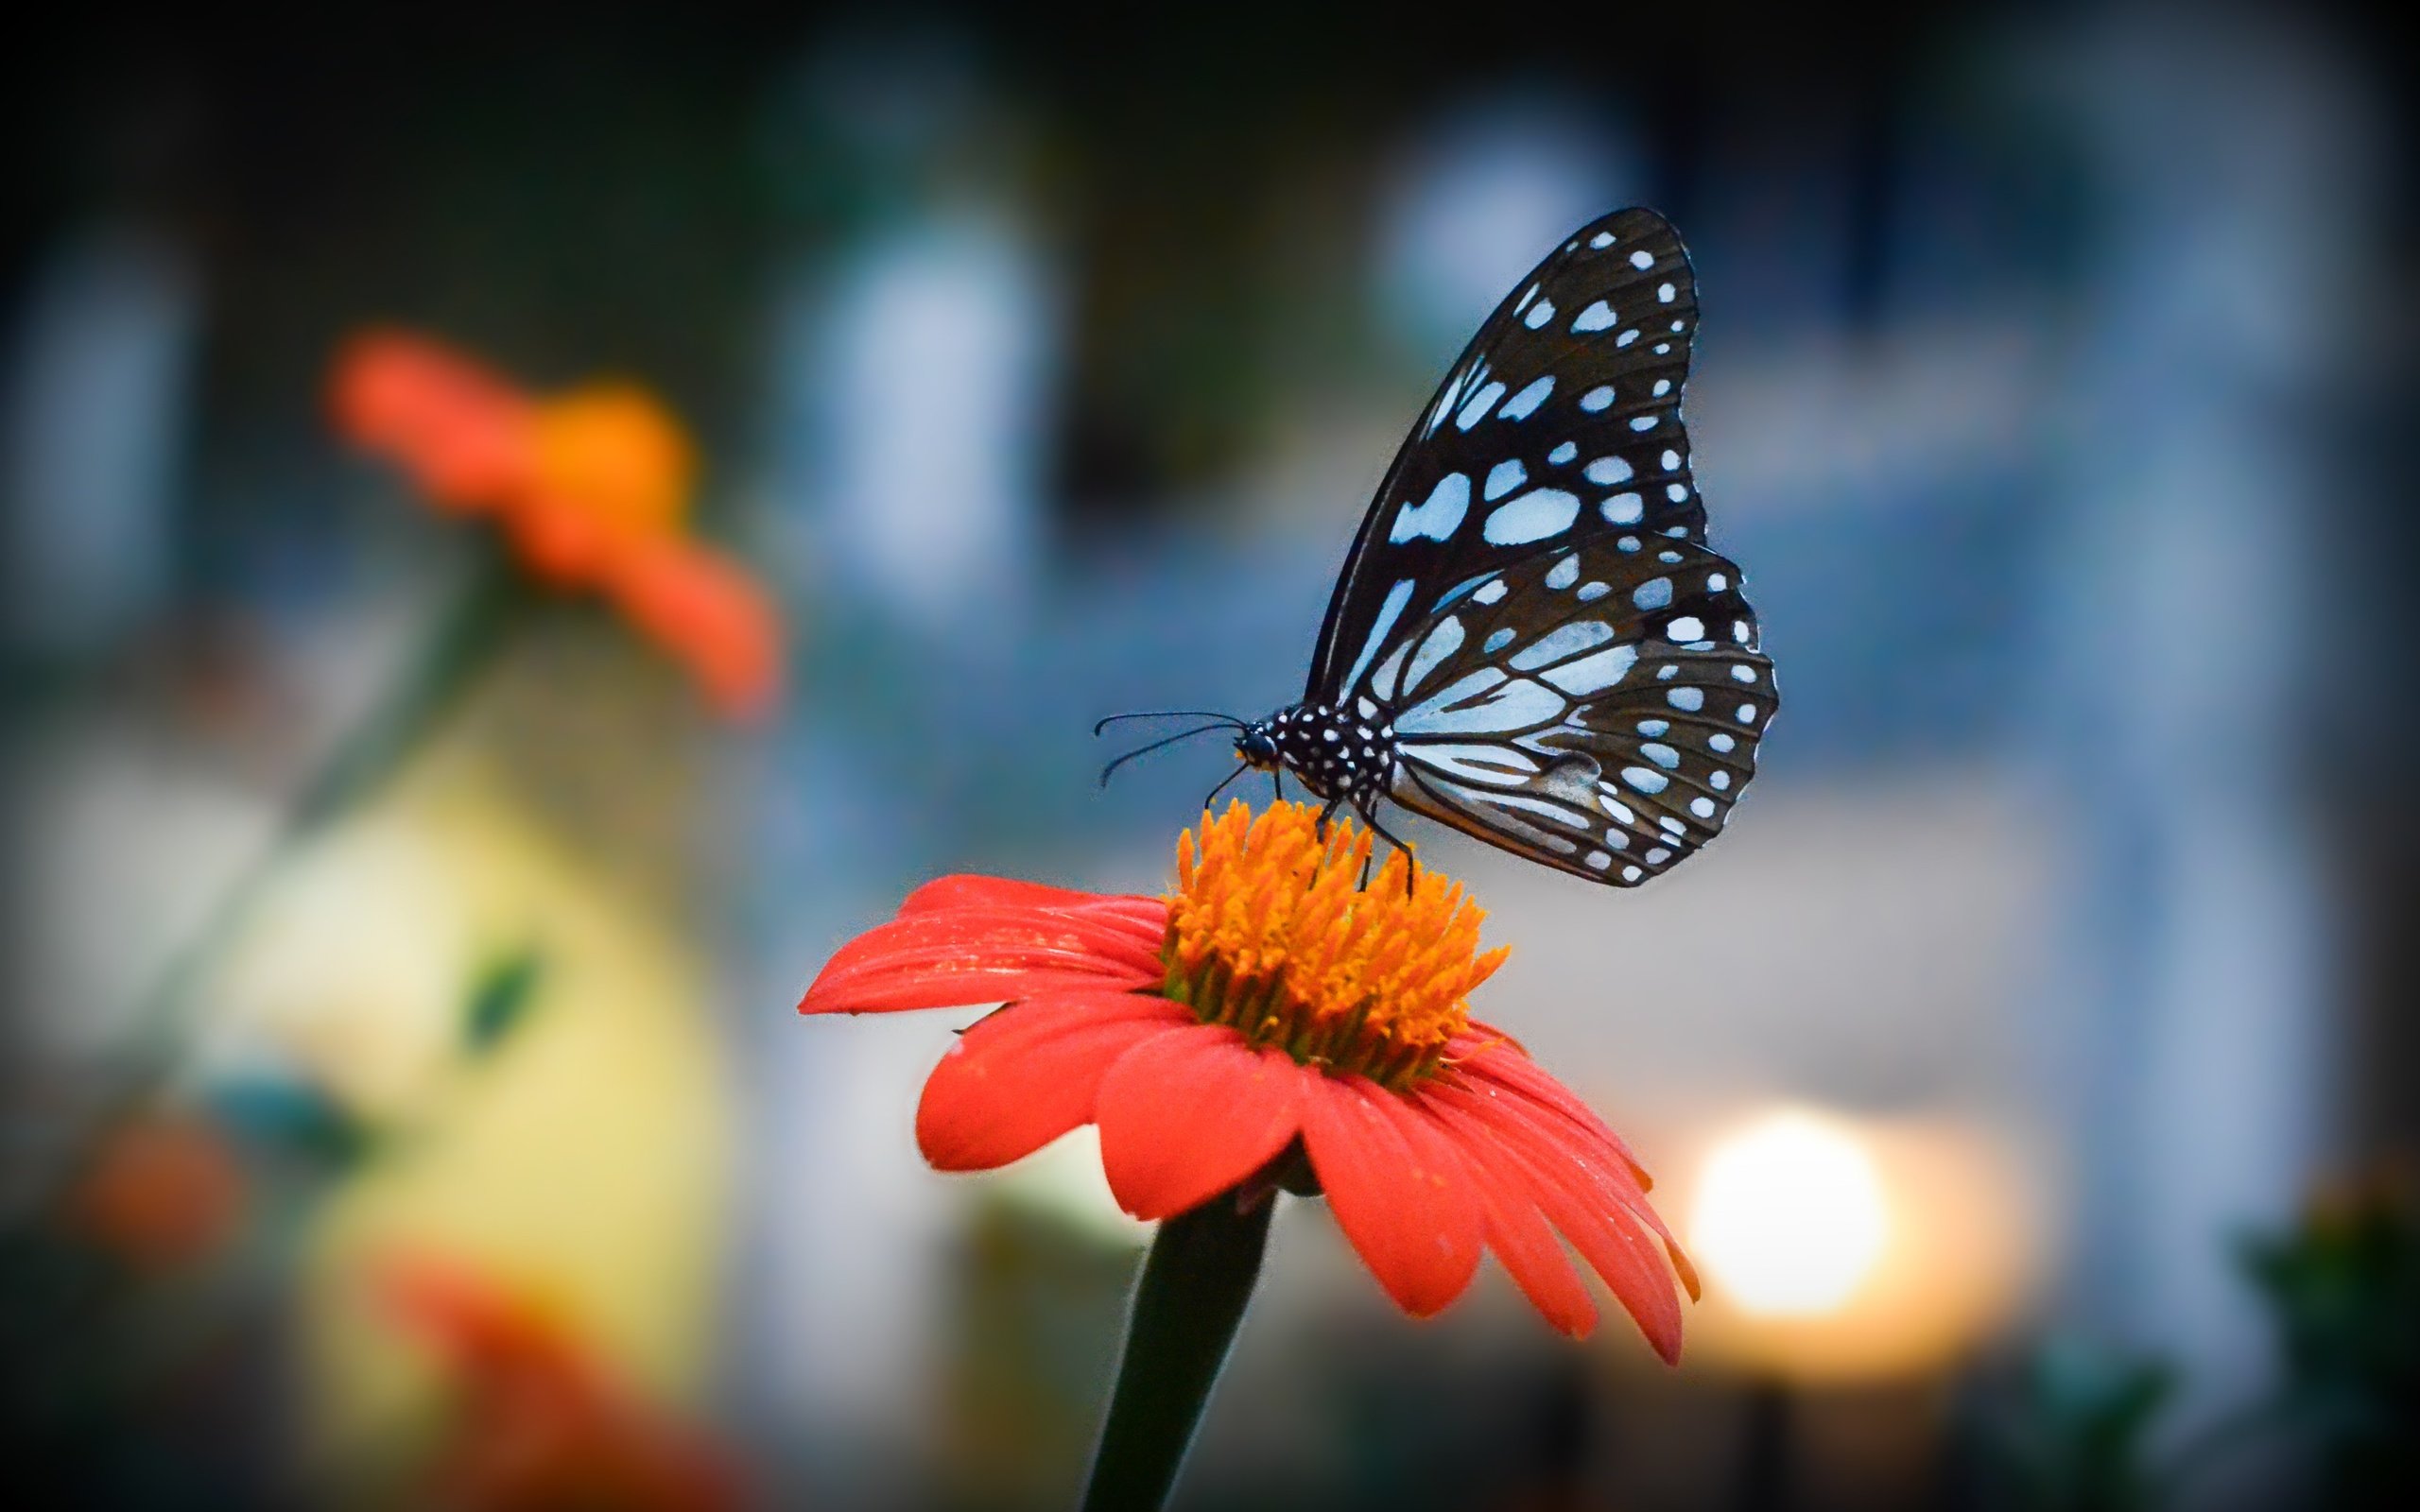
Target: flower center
(1272, 932)
(613, 450)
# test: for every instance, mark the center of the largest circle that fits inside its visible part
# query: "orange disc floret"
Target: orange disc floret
(1270, 931)
(611, 473)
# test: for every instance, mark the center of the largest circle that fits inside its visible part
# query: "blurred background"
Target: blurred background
(2029, 1063)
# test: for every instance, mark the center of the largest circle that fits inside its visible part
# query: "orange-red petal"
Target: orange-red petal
(952, 958)
(1576, 1197)
(1186, 1115)
(462, 432)
(1491, 1055)
(711, 616)
(1593, 1152)
(1518, 1233)
(1029, 1073)
(966, 890)
(1405, 1200)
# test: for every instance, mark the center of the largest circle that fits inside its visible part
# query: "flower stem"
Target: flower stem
(446, 662)
(1200, 1272)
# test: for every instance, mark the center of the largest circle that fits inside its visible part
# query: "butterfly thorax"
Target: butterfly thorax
(1335, 753)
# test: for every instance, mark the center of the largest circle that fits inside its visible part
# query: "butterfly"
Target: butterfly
(1531, 640)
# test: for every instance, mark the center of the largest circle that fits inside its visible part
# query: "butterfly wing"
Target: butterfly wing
(1576, 677)
(1562, 419)
(1595, 707)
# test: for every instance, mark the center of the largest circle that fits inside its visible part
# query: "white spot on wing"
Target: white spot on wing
(1389, 612)
(1643, 780)
(1442, 642)
(1499, 765)
(1624, 509)
(1564, 454)
(1566, 640)
(1597, 398)
(1654, 593)
(1437, 518)
(1608, 470)
(1520, 404)
(1480, 405)
(1537, 515)
(1504, 477)
(1565, 573)
(1510, 704)
(1596, 318)
(1642, 260)
(1594, 674)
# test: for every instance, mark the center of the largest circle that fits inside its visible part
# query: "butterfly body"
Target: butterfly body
(1530, 640)
(1342, 755)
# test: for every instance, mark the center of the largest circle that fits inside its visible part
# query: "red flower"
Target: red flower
(592, 488)
(539, 1425)
(1271, 1005)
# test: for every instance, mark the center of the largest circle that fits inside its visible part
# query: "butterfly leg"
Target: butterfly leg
(1328, 812)
(1411, 863)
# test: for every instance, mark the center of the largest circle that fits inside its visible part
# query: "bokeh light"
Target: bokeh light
(1789, 1215)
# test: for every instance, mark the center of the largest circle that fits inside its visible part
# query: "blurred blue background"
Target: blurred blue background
(2053, 391)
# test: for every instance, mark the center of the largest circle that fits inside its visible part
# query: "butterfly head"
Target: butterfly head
(1256, 745)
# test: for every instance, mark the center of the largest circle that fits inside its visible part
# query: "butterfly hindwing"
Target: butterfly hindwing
(1559, 424)
(1595, 708)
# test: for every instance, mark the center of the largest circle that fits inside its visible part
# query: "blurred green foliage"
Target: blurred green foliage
(2342, 1292)
(501, 999)
(2076, 1437)
(2081, 1428)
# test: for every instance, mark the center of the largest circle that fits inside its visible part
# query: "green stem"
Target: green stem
(1199, 1276)
(372, 752)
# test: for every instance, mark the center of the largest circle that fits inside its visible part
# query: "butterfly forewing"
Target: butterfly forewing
(1561, 421)
(1570, 672)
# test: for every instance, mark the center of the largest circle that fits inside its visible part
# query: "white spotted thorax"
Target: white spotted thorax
(1531, 640)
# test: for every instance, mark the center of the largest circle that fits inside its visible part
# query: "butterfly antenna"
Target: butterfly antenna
(1169, 713)
(1166, 740)
(1207, 798)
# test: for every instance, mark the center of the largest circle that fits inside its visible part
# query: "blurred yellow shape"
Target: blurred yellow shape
(587, 1154)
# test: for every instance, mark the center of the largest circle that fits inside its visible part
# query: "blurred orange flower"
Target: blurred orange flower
(539, 1425)
(165, 1190)
(592, 487)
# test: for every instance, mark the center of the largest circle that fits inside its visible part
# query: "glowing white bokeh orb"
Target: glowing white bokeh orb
(1788, 1216)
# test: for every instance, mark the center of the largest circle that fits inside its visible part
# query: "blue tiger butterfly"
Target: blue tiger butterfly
(1531, 641)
